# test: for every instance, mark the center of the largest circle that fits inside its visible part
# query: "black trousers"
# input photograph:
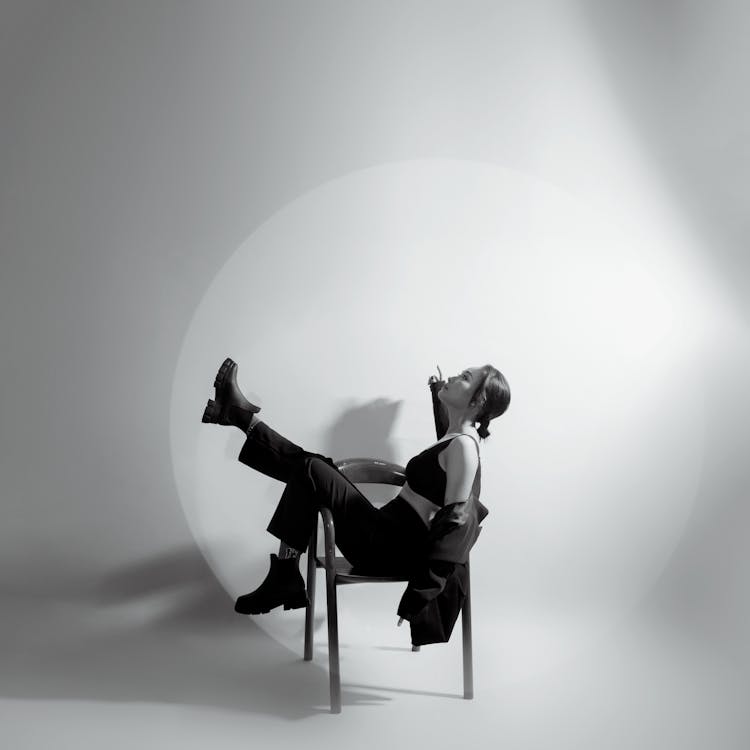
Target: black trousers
(390, 540)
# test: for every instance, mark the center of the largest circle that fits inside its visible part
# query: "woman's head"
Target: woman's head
(482, 393)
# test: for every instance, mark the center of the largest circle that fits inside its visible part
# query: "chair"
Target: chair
(340, 572)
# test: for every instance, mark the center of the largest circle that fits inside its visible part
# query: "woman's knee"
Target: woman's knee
(318, 466)
(312, 469)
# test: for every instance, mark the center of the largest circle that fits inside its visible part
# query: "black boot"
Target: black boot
(282, 585)
(230, 407)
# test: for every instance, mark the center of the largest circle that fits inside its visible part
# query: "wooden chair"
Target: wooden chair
(339, 572)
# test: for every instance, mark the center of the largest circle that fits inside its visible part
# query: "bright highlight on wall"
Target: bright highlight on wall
(339, 307)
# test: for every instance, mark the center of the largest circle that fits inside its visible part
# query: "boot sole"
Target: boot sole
(211, 413)
(221, 375)
(297, 603)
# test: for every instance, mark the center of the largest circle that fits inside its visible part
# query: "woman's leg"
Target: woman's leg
(311, 478)
(364, 535)
(272, 454)
(265, 450)
(320, 483)
(315, 482)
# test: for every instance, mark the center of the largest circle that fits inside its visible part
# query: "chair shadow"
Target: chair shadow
(163, 630)
(408, 691)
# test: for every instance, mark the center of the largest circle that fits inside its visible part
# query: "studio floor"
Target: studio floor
(120, 678)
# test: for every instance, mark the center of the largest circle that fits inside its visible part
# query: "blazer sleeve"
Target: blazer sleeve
(436, 620)
(438, 408)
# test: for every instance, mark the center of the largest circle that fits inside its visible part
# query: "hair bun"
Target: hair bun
(493, 395)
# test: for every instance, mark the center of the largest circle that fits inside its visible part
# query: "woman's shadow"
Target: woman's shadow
(364, 430)
(164, 630)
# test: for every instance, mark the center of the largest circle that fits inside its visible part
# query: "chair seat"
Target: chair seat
(346, 573)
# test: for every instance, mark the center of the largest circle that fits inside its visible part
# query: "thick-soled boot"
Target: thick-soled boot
(282, 585)
(230, 407)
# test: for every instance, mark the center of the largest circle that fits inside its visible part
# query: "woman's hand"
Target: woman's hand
(435, 378)
(435, 384)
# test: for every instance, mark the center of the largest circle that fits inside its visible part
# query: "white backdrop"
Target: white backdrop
(150, 151)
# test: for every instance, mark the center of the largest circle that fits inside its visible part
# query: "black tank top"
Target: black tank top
(426, 476)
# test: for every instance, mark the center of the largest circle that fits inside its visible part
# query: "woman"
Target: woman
(391, 540)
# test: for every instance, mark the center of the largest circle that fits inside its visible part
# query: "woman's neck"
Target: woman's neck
(458, 423)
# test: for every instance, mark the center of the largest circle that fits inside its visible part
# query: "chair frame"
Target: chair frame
(339, 571)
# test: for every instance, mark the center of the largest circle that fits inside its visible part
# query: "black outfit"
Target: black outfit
(391, 540)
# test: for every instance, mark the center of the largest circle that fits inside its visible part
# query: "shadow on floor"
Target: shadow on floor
(164, 630)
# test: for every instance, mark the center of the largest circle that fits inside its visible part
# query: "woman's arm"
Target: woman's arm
(461, 461)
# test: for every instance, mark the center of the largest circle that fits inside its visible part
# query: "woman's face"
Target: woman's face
(459, 389)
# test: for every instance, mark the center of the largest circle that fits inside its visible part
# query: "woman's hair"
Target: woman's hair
(493, 396)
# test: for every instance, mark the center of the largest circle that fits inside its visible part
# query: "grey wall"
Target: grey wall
(141, 143)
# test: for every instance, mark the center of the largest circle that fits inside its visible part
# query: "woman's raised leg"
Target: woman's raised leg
(269, 452)
(265, 450)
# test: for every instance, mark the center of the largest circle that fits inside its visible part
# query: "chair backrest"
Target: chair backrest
(371, 471)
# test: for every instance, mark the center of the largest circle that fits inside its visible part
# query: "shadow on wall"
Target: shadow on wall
(364, 431)
(164, 630)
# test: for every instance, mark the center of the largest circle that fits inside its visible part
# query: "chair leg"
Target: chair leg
(312, 575)
(333, 642)
(466, 628)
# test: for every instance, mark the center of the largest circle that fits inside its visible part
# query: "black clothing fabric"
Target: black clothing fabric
(438, 408)
(437, 589)
(426, 476)
(389, 540)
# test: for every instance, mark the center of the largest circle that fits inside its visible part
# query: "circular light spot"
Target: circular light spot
(340, 306)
